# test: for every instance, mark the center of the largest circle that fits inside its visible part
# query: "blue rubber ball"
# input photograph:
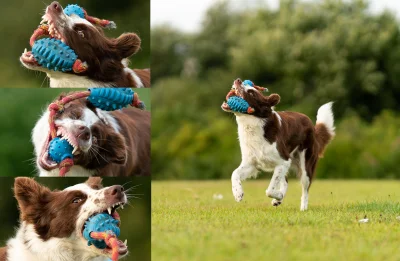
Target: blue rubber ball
(60, 149)
(74, 9)
(54, 54)
(100, 223)
(238, 104)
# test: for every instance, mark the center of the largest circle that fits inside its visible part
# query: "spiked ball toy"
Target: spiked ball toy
(74, 9)
(109, 99)
(60, 150)
(100, 223)
(238, 104)
(56, 55)
(79, 11)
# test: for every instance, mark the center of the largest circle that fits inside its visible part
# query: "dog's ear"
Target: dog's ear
(273, 99)
(127, 44)
(28, 192)
(95, 183)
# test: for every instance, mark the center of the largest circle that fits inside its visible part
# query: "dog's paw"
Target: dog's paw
(238, 193)
(275, 194)
(276, 202)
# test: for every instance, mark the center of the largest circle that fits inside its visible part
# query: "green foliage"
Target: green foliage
(21, 18)
(254, 230)
(307, 52)
(136, 230)
(21, 108)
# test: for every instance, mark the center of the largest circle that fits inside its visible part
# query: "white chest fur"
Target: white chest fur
(256, 150)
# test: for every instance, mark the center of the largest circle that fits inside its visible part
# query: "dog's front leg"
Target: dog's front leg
(278, 186)
(243, 172)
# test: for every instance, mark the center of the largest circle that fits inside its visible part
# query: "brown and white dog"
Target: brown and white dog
(105, 143)
(106, 58)
(278, 141)
(51, 222)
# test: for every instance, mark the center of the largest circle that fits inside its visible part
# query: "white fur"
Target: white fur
(41, 131)
(138, 81)
(325, 116)
(305, 181)
(28, 246)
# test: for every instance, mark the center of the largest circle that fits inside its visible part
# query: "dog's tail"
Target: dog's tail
(324, 129)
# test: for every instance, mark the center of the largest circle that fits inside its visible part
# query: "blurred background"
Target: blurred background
(309, 52)
(22, 17)
(135, 218)
(21, 109)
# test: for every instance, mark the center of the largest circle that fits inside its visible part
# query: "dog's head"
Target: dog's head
(104, 56)
(94, 134)
(61, 215)
(262, 105)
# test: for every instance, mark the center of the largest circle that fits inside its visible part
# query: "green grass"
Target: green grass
(188, 224)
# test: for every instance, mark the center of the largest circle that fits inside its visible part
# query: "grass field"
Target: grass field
(189, 224)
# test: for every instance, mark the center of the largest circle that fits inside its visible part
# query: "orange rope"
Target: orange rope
(111, 241)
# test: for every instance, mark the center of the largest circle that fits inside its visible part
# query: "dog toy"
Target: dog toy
(79, 11)
(238, 104)
(60, 150)
(102, 230)
(56, 55)
(103, 98)
(109, 99)
(250, 83)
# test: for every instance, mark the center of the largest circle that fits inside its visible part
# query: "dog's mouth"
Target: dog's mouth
(46, 162)
(112, 211)
(236, 90)
(49, 27)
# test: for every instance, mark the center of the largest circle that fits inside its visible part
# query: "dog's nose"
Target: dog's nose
(56, 6)
(83, 133)
(238, 81)
(116, 190)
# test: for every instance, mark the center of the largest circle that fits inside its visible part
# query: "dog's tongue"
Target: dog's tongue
(116, 216)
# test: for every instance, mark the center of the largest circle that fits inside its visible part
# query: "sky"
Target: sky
(186, 15)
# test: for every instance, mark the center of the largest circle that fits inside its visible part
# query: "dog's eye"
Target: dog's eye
(76, 200)
(81, 34)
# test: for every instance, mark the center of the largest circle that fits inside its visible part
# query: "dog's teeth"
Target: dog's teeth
(25, 51)
(122, 206)
(75, 150)
(126, 242)
(109, 210)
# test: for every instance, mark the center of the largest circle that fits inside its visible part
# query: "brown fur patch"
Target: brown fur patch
(53, 213)
(144, 76)
(3, 253)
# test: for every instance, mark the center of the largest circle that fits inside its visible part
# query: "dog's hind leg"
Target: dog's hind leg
(278, 186)
(243, 172)
(305, 181)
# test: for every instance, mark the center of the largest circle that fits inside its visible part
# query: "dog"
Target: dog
(277, 141)
(51, 222)
(105, 58)
(105, 143)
